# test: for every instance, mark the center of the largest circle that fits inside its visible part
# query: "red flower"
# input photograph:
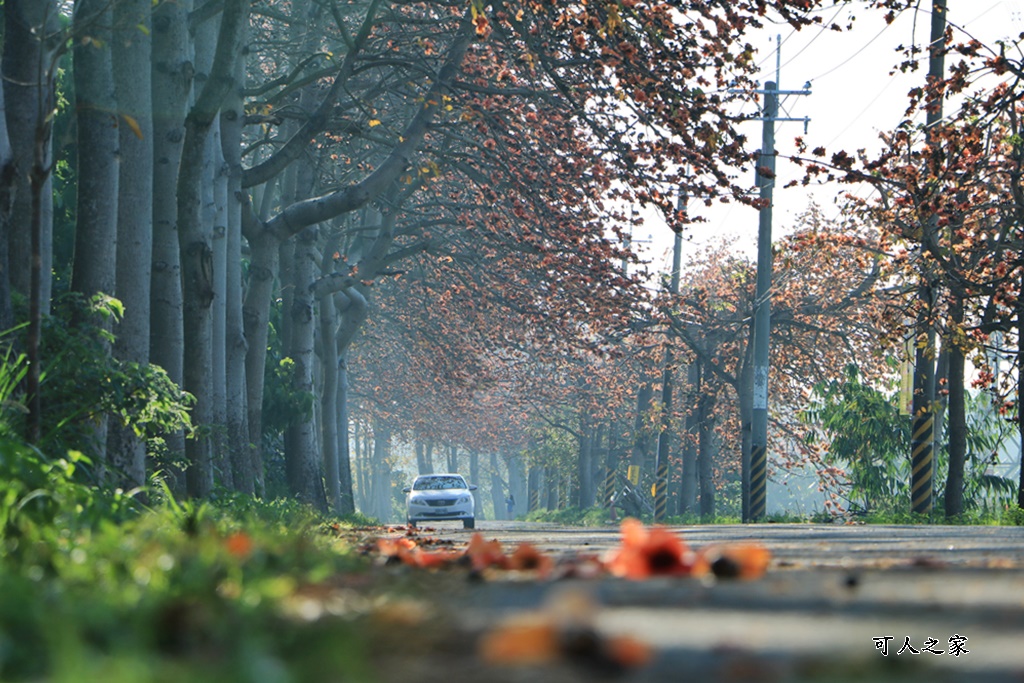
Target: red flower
(528, 558)
(483, 554)
(651, 552)
(239, 544)
(737, 560)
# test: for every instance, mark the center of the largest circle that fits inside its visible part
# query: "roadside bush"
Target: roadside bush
(185, 591)
(595, 516)
(82, 381)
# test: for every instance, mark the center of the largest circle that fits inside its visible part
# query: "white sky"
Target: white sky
(853, 97)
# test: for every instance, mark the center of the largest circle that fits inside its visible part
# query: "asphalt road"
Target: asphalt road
(833, 598)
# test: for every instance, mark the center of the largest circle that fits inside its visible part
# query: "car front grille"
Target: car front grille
(441, 502)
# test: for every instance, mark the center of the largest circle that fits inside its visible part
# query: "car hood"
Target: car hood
(442, 493)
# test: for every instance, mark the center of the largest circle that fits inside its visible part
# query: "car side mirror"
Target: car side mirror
(406, 489)
(472, 487)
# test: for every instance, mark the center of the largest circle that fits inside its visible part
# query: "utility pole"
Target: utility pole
(666, 433)
(762, 310)
(755, 465)
(922, 427)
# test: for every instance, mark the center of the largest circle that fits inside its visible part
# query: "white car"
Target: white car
(434, 497)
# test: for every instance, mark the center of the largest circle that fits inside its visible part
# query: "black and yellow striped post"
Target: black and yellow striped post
(661, 491)
(608, 487)
(758, 481)
(534, 481)
(922, 451)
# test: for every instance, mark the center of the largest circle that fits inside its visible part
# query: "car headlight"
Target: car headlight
(465, 499)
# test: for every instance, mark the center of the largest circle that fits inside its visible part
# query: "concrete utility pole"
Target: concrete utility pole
(922, 428)
(666, 434)
(756, 462)
(762, 308)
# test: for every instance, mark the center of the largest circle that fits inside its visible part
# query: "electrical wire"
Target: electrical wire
(821, 31)
(854, 55)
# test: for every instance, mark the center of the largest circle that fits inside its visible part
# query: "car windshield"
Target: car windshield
(438, 483)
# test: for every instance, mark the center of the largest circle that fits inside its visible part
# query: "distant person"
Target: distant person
(510, 504)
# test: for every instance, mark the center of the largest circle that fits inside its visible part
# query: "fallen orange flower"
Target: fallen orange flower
(737, 560)
(650, 552)
(627, 652)
(432, 560)
(483, 554)
(399, 549)
(523, 641)
(563, 630)
(527, 558)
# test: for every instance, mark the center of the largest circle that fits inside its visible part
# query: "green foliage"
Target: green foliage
(81, 381)
(36, 491)
(691, 518)
(12, 411)
(282, 404)
(1013, 516)
(595, 516)
(64, 176)
(870, 440)
(185, 591)
(988, 433)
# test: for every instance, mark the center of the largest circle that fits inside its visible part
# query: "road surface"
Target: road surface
(858, 602)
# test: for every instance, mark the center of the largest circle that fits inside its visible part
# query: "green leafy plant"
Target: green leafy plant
(866, 437)
(82, 381)
(184, 590)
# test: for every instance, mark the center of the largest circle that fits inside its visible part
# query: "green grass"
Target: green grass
(183, 592)
(1008, 516)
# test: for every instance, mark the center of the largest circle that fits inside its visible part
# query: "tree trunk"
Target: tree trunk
(706, 447)
(329, 413)
(688, 485)
(664, 441)
(642, 425)
(302, 454)
(216, 213)
(611, 467)
(131, 55)
(195, 249)
(497, 489)
(256, 316)
(362, 473)
(517, 484)
(171, 83)
(535, 481)
(551, 486)
(381, 479)
(240, 446)
(205, 42)
(8, 183)
(957, 409)
(474, 478)
(424, 461)
(30, 39)
(95, 259)
(347, 505)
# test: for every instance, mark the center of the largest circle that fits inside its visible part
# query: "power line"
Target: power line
(821, 31)
(855, 54)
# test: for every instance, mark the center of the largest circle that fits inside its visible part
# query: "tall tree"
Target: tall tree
(131, 54)
(171, 85)
(195, 249)
(95, 257)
